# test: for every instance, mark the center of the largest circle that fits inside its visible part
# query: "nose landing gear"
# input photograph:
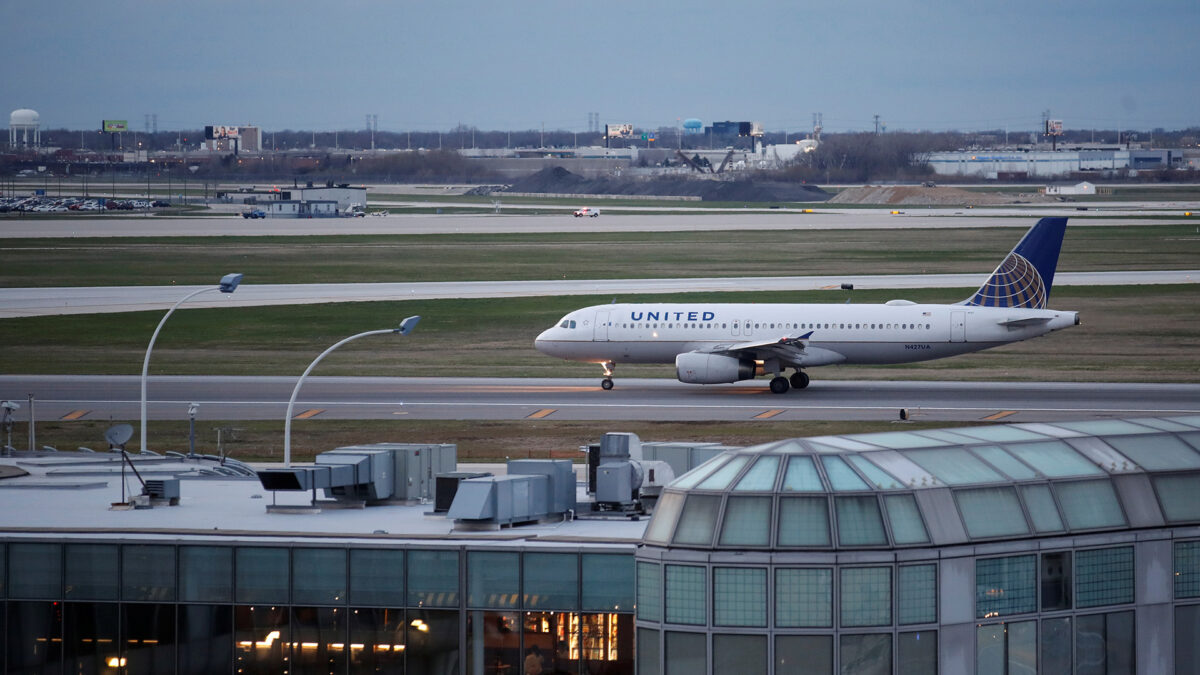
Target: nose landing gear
(607, 383)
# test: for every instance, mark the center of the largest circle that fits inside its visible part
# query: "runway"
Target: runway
(541, 399)
(525, 223)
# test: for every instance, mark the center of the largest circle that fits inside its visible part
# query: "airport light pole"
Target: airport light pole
(229, 284)
(406, 326)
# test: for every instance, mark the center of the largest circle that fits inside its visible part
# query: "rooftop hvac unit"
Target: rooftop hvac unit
(164, 489)
(446, 487)
(534, 489)
(368, 473)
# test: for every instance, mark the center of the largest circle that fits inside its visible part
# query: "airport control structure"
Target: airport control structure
(1071, 547)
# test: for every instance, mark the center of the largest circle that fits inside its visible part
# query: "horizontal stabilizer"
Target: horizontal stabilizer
(1025, 321)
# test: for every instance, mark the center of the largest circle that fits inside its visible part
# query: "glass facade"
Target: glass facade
(747, 522)
(916, 594)
(877, 539)
(803, 598)
(326, 621)
(740, 596)
(319, 576)
(1186, 569)
(866, 596)
(859, 522)
(493, 579)
(91, 572)
(743, 654)
(803, 522)
(1005, 586)
(432, 578)
(686, 592)
(649, 591)
(205, 574)
(551, 581)
(607, 578)
(804, 653)
(1104, 576)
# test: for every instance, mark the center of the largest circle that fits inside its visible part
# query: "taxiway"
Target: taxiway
(234, 398)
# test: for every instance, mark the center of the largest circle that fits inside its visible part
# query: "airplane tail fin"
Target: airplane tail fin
(1026, 274)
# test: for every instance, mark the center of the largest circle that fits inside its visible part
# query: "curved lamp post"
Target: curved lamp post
(406, 327)
(229, 284)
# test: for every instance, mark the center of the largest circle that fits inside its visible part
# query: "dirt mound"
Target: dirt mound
(915, 195)
(557, 180)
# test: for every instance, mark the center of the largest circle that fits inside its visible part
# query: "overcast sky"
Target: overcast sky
(431, 65)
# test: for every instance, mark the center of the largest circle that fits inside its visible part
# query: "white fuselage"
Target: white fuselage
(897, 332)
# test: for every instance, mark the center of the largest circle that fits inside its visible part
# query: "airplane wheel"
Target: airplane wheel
(799, 379)
(606, 384)
(779, 385)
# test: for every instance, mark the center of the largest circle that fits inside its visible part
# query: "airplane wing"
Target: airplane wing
(788, 349)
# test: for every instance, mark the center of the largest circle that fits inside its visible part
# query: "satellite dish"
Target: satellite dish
(118, 435)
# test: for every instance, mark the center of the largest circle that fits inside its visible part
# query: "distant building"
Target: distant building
(301, 208)
(992, 164)
(343, 194)
(1084, 188)
(248, 139)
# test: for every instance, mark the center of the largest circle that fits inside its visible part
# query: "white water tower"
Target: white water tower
(24, 129)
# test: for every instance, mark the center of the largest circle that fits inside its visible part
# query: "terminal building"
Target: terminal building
(1027, 548)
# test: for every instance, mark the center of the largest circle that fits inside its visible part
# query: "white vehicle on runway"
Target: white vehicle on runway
(722, 343)
(589, 211)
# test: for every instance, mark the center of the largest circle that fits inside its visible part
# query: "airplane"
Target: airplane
(712, 343)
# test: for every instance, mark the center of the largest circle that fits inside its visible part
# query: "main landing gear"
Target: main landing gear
(780, 384)
(607, 383)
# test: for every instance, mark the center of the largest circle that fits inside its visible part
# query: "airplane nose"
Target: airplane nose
(539, 342)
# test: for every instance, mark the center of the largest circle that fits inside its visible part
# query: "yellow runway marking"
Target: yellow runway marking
(544, 412)
(1000, 415)
(307, 414)
(768, 414)
(75, 414)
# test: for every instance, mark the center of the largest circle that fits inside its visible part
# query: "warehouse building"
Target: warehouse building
(1008, 164)
(1031, 548)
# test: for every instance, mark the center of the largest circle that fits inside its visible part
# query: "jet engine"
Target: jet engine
(698, 368)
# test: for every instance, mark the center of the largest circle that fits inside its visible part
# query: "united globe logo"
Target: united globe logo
(1015, 283)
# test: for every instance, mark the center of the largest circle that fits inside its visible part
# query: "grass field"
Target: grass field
(1129, 333)
(338, 259)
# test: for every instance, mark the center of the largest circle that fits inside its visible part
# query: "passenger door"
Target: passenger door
(600, 330)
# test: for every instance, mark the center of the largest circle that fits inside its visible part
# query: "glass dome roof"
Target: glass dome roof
(937, 487)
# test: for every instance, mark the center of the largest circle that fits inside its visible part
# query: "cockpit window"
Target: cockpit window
(567, 323)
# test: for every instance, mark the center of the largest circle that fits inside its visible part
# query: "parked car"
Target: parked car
(255, 213)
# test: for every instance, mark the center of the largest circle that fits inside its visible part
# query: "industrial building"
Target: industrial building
(1030, 548)
(343, 194)
(1023, 163)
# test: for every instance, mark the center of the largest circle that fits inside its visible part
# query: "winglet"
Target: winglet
(1024, 277)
